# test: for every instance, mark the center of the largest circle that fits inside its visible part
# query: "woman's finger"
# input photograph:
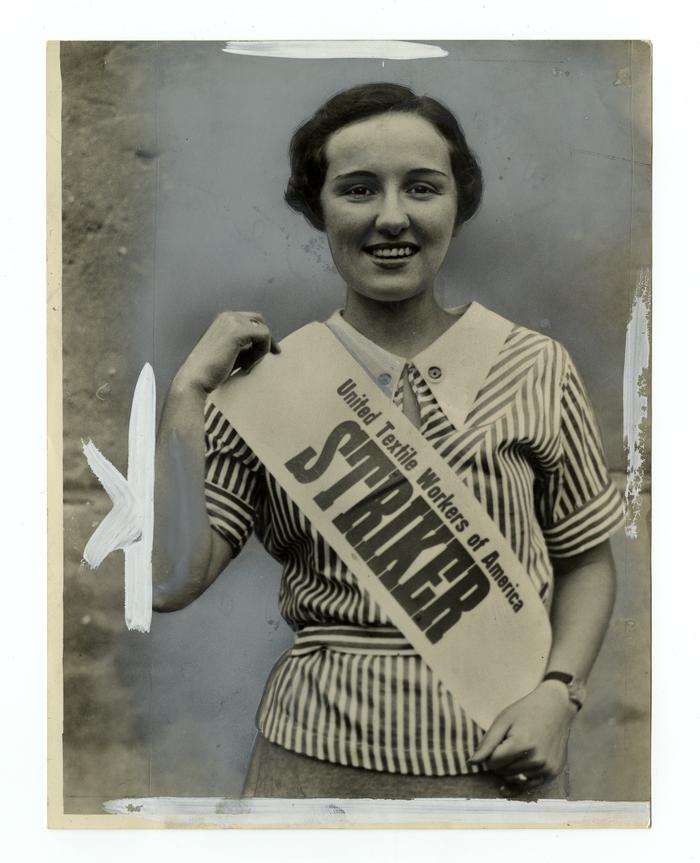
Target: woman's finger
(518, 777)
(251, 326)
(505, 754)
(262, 340)
(526, 779)
(255, 342)
(528, 764)
(491, 740)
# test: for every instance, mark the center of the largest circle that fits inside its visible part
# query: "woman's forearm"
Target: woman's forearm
(584, 594)
(182, 546)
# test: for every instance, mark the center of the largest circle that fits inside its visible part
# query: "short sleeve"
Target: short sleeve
(579, 506)
(232, 475)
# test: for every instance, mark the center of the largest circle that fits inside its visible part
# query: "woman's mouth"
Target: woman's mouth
(392, 251)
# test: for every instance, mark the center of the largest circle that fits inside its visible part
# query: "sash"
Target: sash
(406, 526)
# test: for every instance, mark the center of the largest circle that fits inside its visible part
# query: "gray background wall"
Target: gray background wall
(174, 164)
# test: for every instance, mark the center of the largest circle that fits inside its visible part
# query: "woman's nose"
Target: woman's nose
(392, 217)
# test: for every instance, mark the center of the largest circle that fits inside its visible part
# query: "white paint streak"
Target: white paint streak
(331, 812)
(138, 580)
(337, 49)
(122, 525)
(635, 399)
(129, 524)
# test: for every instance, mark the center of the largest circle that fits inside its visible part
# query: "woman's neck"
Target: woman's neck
(404, 328)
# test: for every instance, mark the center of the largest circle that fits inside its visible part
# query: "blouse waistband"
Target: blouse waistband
(352, 639)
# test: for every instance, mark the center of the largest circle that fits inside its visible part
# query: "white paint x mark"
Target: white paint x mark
(129, 524)
(337, 49)
(635, 398)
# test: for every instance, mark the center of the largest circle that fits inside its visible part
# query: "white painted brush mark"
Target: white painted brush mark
(334, 812)
(635, 399)
(129, 524)
(337, 49)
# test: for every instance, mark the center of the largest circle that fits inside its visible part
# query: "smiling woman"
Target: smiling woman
(354, 708)
(389, 204)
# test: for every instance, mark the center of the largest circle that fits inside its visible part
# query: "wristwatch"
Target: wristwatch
(575, 687)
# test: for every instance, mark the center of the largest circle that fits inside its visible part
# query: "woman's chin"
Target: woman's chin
(391, 292)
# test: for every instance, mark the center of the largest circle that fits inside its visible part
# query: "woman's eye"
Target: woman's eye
(359, 191)
(422, 189)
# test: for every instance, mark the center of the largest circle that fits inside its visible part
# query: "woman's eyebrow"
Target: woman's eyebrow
(353, 174)
(427, 171)
(371, 174)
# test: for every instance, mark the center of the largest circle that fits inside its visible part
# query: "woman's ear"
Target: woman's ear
(457, 228)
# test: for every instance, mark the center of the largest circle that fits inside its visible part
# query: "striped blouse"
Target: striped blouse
(351, 690)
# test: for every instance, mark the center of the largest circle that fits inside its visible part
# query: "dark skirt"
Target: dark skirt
(277, 772)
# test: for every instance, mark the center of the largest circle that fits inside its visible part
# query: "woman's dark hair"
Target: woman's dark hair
(307, 148)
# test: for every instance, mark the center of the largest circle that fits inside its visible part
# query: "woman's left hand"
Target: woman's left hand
(527, 742)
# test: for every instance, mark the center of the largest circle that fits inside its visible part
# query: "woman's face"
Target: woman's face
(389, 203)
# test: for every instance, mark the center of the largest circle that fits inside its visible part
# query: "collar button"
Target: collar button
(435, 373)
(384, 379)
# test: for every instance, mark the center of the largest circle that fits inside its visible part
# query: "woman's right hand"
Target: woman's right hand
(234, 340)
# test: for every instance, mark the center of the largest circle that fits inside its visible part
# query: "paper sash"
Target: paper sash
(411, 532)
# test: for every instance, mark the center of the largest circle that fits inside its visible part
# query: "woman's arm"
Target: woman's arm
(584, 594)
(530, 736)
(188, 553)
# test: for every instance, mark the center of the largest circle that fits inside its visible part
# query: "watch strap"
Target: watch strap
(559, 675)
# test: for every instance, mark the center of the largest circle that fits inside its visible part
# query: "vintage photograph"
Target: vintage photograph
(355, 433)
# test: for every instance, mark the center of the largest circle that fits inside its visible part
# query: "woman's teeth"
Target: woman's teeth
(393, 253)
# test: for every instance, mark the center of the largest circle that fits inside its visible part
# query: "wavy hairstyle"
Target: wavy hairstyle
(307, 148)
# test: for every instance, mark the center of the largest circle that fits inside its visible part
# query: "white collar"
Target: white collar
(381, 365)
(451, 365)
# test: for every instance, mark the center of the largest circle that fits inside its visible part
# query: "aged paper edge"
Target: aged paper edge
(330, 813)
(54, 378)
(158, 813)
